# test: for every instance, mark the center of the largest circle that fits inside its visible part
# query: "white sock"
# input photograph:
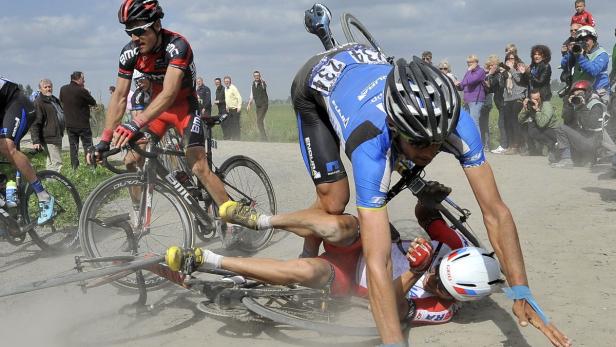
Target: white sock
(211, 260)
(43, 196)
(264, 222)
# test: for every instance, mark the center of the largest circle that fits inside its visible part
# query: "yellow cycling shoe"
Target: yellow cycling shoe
(238, 213)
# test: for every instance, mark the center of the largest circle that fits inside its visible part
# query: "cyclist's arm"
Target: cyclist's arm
(499, 223)
(166, 98)
(376, 241)
(117, 103)
(402, 285)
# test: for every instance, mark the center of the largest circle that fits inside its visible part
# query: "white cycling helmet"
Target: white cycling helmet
(469, 273)
(586, 31)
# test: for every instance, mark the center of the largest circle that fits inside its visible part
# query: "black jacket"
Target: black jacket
(48, 127)
(76, 101)
(205, 96)
(539, 80)
(220, 97)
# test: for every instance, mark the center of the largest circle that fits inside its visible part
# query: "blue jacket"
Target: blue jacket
(596, 67)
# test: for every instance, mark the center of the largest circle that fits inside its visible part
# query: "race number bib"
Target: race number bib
(325, 77)
(364, 55)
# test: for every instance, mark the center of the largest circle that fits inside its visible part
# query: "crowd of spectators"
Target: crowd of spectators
(528, 123)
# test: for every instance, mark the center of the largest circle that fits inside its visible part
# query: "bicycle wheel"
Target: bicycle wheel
(355, 31)
(246, 181)
(61, 232)
(111, 217)
(308, 310)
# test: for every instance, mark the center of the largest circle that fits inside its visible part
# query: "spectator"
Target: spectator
(539, 74)
(571, 39)
(590, 63)
(542, 123)
(205, 98)
(581, 16)
(494, 82)
(77, 101)
(473, 88)
(233, 100)
(514, 93)
(446, 69)
(47, 129)
(582, 138)
(141, 96)
(427, 57)
(220, 96)
(511, 48)
(258, 93)
(490, 66)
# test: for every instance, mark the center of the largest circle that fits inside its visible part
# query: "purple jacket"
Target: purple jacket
(472, 85)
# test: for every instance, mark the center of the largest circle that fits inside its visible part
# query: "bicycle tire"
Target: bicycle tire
(101, 241)
(82, 276)
(62, 232)
(348, 22)
(291, 317)
(245, 180)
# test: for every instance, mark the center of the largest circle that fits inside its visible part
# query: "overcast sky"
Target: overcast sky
(53, 38)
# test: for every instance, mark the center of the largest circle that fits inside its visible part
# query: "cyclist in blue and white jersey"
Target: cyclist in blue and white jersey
(351, 98)
(16, 115)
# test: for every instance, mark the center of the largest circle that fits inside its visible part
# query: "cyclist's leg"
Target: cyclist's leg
(190, 128)
(16, 120)
(320, 151)
(309, 272)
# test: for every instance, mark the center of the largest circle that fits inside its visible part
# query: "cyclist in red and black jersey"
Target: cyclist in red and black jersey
(166, 58)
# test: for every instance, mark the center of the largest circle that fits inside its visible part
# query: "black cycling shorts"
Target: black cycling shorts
(17, 118)
(318, 141)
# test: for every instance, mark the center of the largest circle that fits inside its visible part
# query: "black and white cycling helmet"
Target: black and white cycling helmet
(146, 10)
(586, 31)
(422, 104)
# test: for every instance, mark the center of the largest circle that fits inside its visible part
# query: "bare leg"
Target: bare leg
(323, 220)
(18, 159)
(198, 163)
(309, 272)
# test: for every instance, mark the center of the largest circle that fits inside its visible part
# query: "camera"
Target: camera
(577, 100)
(577, 48)
(504, 66)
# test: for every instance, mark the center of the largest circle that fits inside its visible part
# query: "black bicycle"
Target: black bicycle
(60, 232)
(157, 208)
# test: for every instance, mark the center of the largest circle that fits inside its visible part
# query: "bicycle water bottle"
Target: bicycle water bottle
(11, 194)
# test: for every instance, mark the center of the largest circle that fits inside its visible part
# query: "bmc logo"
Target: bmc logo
(126, 55)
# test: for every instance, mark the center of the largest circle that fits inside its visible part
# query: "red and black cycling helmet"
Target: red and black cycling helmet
(422, 104)
(146, 10)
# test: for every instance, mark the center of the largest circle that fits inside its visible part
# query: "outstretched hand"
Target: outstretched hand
(526, 314)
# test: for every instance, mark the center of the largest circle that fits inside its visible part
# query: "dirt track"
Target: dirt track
(565, 219)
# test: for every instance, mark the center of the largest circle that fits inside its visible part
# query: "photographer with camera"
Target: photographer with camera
(591, 63)
(582, 138)
(541, 122)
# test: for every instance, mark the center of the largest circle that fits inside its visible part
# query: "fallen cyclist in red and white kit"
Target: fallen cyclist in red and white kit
(430, 277)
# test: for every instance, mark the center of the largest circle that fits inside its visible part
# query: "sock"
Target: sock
(211, 260)
(264, 222)
(41, 194)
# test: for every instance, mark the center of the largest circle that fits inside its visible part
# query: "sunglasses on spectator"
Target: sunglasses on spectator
(138, 31)
(443, 69)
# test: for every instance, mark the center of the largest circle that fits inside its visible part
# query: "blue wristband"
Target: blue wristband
(523, 292)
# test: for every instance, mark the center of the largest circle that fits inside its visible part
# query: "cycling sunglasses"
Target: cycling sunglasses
(138, 31)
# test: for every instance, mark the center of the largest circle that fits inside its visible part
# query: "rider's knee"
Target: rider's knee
(199, 166)
(7, 147)
(333, 198)
(306, 271)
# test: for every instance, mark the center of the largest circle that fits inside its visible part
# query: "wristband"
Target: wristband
(523, 293)
(107, 135)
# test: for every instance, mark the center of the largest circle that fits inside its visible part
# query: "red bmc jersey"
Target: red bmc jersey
(175, 51)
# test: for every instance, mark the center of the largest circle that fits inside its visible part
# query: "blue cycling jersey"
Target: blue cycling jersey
(352, 83)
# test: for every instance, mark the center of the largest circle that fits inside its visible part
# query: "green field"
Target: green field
(281, 126)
